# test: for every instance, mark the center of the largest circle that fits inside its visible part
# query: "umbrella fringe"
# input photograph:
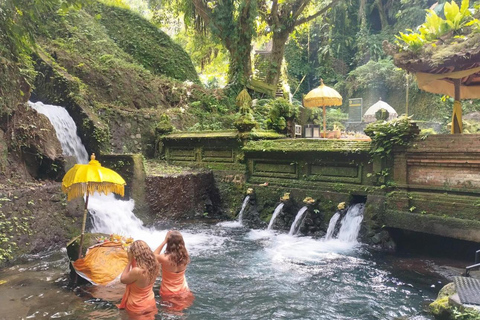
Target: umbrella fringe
(80, 189)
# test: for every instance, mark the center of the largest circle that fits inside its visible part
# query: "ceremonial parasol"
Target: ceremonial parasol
(85, 180)
(455, 82)
(323, 96)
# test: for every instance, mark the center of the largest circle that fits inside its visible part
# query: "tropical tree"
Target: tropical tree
(283, 17)
(230, 21)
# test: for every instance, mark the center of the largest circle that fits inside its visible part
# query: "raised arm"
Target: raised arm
(160, 247)
(130, 273)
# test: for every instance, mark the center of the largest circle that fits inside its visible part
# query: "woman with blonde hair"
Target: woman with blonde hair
(174, 288)
(139, 275)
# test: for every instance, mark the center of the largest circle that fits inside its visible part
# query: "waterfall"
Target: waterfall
(331, 225)
(275, 214)
(65, 129)
(109, 214)
(244, 204)
(349, 224)
(298, 219)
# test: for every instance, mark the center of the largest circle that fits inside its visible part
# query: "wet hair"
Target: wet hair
(176, 251)
(145, 258)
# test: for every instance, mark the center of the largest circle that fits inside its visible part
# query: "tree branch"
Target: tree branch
(300, 9)
(204, 12)
(274, 11)
(318, 13)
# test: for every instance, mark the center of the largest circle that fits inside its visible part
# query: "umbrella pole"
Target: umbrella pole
(324, 122)
(457, 109)
(83, 226)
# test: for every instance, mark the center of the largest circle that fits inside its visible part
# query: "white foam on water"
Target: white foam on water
(111, 215)
(230, 224)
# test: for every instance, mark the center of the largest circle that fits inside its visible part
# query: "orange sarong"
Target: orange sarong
(173, 283)
(174, 291)
(139, 302)
(103, 263)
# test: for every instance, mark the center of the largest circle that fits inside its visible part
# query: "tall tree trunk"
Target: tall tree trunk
(382, 13)
(279, 40)
(240, 48)
(240, 68)
(362, 13)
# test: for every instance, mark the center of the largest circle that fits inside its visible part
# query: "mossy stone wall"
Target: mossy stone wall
(333, 171)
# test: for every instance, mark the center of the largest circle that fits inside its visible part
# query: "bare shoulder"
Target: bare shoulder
(131, 275)
(162, 258)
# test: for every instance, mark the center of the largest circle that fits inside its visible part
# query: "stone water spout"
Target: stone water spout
(345, 223)
(336, 221)
(283, 200)
(301, 217)
(249, 215)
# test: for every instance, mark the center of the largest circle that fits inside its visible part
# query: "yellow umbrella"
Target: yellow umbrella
(322, 96)
(86, 179)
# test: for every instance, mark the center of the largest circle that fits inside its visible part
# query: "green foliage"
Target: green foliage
(154, 50)
(335, 117)
(456, 19)
(465, 314)
(375, 74)
(369, 46)
(212, 112)
(424, 133)
(19, 19)
(386, 135)
(280, 112)
(14, 224)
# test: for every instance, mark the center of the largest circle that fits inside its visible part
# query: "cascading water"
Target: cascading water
(65, 129)
(244, 205)
(331, 226)
(298, 220)
(351, 223)
(109, 215)
(275, 214)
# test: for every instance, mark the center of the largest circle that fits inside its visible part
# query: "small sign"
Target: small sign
(298, 130)
(355, 109)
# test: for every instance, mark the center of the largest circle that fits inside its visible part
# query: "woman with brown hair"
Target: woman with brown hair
(174, 288)
(139, 275)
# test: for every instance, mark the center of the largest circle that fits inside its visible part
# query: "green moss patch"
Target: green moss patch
(307, 145)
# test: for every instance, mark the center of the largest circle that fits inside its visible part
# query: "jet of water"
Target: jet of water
(275, 214)
(298, 220)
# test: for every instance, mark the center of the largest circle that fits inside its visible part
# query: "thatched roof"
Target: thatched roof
(448, 54)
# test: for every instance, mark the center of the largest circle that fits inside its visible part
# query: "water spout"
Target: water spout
(349, 225)
(331, 225)
(298, 221)
(275, 214)
(244, 204)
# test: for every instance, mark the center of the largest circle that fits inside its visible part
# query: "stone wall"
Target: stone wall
(438, 184)
(432, 188)
(183, 196)
(37, 218)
